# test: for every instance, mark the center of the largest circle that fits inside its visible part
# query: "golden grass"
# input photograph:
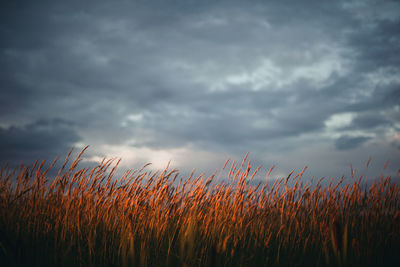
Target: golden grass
(87, 217)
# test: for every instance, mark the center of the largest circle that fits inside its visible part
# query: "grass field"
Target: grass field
(88, 217)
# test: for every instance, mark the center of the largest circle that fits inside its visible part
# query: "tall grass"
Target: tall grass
(87, 217)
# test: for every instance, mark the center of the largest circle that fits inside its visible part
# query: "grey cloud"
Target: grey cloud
(369, 121)
(236, 119)
(382, 97)
(377, 46)
(43, 139)
(348, 142)
(393, 96)
(396, 144)
(97, 62)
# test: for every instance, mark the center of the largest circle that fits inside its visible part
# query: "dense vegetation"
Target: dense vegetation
(87, 217)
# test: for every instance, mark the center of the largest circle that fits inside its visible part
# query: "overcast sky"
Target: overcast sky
(294, 83)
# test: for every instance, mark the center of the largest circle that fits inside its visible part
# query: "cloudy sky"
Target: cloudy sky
(294, 83)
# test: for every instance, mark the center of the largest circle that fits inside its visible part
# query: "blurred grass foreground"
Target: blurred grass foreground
(88, 217)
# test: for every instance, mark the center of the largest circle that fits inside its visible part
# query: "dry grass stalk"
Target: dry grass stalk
(86, 216)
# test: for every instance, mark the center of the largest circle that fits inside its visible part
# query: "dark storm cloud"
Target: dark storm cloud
(349, 142)
(378, 45)
(39, 139)
(369, 121)
(393, 96)
(238, 119)
(222, 76)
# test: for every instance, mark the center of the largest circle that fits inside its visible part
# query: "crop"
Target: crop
(88, 217)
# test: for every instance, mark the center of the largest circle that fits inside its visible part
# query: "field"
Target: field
(89, 217)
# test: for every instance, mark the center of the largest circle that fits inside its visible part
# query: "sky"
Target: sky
(294, 83)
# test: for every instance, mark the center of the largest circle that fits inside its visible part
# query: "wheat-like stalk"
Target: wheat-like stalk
(86, 216)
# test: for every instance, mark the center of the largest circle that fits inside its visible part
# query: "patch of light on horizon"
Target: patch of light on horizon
(396, 138)
(182, 158)
(392, 134)
(131, 156)
(79, 145)
(275, 176)
(96, 159)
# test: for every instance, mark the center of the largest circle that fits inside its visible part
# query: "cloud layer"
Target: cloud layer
(197, 82)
